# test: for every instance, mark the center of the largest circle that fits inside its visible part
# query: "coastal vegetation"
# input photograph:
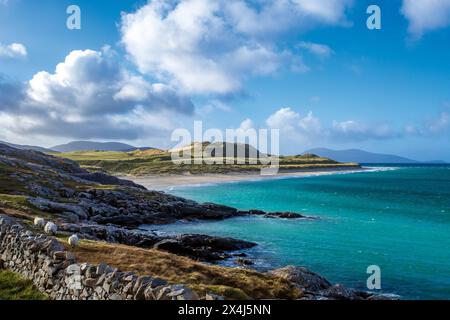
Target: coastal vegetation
(232, 283)
(159, 162)
(14, 287)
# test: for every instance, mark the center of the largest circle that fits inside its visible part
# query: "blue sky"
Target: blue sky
(316, 73)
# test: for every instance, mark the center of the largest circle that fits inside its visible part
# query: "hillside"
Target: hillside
(91, 145)
(159, 162)
(27, 147)
(360, 156)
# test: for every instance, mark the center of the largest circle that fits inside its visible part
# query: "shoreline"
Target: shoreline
(168, 182)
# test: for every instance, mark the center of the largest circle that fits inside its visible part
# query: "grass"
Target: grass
(157, 162)
(14, 287)
(18, 202)
(233, 283)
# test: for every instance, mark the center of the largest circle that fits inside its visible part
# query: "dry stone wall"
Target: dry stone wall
(55, 271)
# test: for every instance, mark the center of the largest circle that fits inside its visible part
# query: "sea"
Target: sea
(396, 217)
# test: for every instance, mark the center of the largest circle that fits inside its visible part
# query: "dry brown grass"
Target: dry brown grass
(233, 283)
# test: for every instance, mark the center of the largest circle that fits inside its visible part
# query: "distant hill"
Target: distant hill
(98, 146)
(221, 149)
(27, 147)
(360, 156)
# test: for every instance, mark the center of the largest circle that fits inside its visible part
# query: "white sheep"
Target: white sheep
(73, 240)
(50, 228)
(39, 222)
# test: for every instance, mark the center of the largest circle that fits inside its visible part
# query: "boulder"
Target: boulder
(302, 277)
(339, 292)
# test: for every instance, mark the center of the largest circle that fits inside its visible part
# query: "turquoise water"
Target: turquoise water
(396, 219)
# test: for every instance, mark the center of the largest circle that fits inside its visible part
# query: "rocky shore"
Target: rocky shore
(98, 207)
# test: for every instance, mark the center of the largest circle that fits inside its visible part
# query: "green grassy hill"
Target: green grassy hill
(159, 162)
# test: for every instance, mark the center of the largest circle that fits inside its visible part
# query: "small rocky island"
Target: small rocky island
(105, 213)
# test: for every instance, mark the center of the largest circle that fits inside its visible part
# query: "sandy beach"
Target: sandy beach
(166, 182)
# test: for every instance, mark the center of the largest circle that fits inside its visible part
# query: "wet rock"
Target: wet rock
(202, 247)
(385, 296)
(339, 292)
(244, 262)
(283, 215)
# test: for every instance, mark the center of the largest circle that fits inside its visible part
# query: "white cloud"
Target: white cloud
(283, 118)
(293, 126)
(90, 95)
(308, 129)
(352, 130)
(436, 126)
(426, 15)
(214, 105)
(247, 124)
(270, 17)
(212, 46)
(320, 50)
(14, 50)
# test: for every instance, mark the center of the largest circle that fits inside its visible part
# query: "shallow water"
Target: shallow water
(396, 219)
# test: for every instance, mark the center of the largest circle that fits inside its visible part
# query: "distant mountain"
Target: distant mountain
(98, 146)
(27, 147)
(360, 156)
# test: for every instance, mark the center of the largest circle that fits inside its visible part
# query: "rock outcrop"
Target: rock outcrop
(316, 287)
(196, 246)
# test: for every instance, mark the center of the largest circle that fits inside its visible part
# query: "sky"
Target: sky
(137, 70)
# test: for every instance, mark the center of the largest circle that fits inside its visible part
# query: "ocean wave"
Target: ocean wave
(281, 177)
(381, 169)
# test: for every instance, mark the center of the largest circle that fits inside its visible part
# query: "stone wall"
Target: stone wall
(55, 272)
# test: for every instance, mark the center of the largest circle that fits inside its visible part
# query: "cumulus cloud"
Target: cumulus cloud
(13, 50)
(294, 126)
(308, 128)
(211, 46)
(247, 124)
(436, 126)
(90, 95)
(424, 16)
(262, 18)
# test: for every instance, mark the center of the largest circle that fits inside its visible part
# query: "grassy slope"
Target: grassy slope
(232, 283)
(14, 287)
(159, 162)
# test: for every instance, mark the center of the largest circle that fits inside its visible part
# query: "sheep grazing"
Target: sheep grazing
(50, 228)
(73, 240)
(39, 222)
